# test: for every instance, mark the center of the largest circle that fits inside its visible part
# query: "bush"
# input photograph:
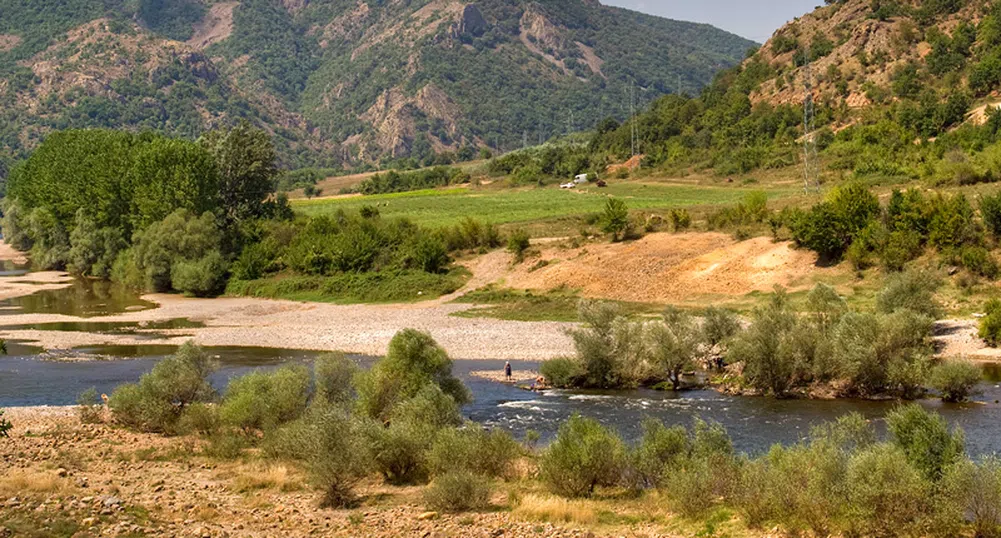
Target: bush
(979, 261)
(562, 372)
(956, 380)
(990, 210)
(830, 227)
(89, 407)
(5, 426)
(976, 490)
(399, 451)
(414, 360)
(990, 324)
(333, 375)
(680, 219)
(474, 449)
(886, 495)
(911, 290)
(265, 400)
(657, 453)
(517, 243)
(584, 455)
(458, 491)
(156, 402)
(925, 440)
(333, 447)
(200, 418)
(615, 219)
(719, 325)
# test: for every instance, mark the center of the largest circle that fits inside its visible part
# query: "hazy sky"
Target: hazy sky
(753, 19)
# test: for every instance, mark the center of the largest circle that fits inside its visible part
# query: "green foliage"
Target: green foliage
(956, 379)
(517, 243)
(333, 447)
(657, 453)
(615, 219)
(911, 290)
(458, 491)
(5, 426)
(473, 449)
(584, 455)
(266, 400)
(832, 226)
(975, 489)
(200, 418)
(925, 440)
(92, 250)
(990, 324)
(89, 407)
(562, 372)
(247, 167)
(414, 361)
(886, 495)
(181, 253)
(157, 401)
(393, 181)
(333, 375)
(990, 210)
(673, 345)
(719, 325)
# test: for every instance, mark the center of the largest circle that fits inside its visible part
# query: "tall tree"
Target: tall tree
(245, 157)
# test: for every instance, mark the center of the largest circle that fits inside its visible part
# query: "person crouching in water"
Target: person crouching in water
(507, 371)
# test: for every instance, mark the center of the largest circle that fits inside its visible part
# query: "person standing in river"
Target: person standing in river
(507, 370)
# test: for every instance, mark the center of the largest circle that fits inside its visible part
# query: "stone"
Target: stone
(88, 521)
(112, 501)
(427, 516)
(62, 472)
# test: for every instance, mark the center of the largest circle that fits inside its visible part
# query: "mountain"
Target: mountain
(341, 81)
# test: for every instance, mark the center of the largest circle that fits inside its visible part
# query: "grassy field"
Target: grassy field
(495, 206)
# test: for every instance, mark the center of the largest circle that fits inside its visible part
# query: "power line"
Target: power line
(811, 171)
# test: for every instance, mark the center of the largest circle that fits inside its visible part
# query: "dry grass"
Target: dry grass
(555, 510)
(20, 483)
(275, 477)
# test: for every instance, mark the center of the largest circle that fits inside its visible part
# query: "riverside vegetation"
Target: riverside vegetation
(401, 421)
(828, 348)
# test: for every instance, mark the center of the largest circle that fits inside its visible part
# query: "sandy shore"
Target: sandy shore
(365, 329)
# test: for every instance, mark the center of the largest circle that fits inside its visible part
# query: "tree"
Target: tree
(245, 158)
(615, 219)
(673, 344)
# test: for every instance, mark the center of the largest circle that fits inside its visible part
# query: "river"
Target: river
(32, 376)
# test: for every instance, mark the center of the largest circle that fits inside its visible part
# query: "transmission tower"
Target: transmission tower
(811, 166)
(632, 118)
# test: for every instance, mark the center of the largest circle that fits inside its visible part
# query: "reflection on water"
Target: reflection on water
(754, 423)
(83, 298)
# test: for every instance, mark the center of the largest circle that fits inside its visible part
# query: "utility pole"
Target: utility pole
(632, 118)
(811, 171)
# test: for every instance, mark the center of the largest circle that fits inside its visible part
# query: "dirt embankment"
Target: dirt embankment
(670, 268)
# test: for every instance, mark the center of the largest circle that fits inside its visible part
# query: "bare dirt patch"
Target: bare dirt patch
(215, 27)
(670, 268)
(9, 41)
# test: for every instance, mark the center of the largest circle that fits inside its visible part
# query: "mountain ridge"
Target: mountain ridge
(342, 82)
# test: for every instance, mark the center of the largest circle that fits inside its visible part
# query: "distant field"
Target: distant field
(446, 207)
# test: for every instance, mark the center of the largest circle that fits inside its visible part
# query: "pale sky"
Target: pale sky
(754, 19)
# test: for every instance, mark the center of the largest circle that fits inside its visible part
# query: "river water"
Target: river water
(31, 376)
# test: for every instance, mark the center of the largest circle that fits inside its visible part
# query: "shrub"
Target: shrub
(474, 449)
(690, 488)
(925, 440)
(672, 346)
(615, 219)
(990, 324)
(414, 360)
(990, 210)
(886, 495)
(979, 261)
(200, 418)
(265, 400)
(606, 348)
(89, 407)
(656, 454)
(333, 447)
(517, 243)
(399, 451)
(680, 219)
(562, 372)
(333, 375)
(975, 488)
(458, 491)
(833, 225)
(156, 402)
(911, 290)
(900, 247)
(719, 325)
(5, 426)
(584, 455)
(956, 380)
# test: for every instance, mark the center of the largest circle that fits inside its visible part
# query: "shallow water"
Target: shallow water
(83, 299)
(28, 377)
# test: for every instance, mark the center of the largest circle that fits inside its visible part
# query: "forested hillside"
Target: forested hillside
(339, 81)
